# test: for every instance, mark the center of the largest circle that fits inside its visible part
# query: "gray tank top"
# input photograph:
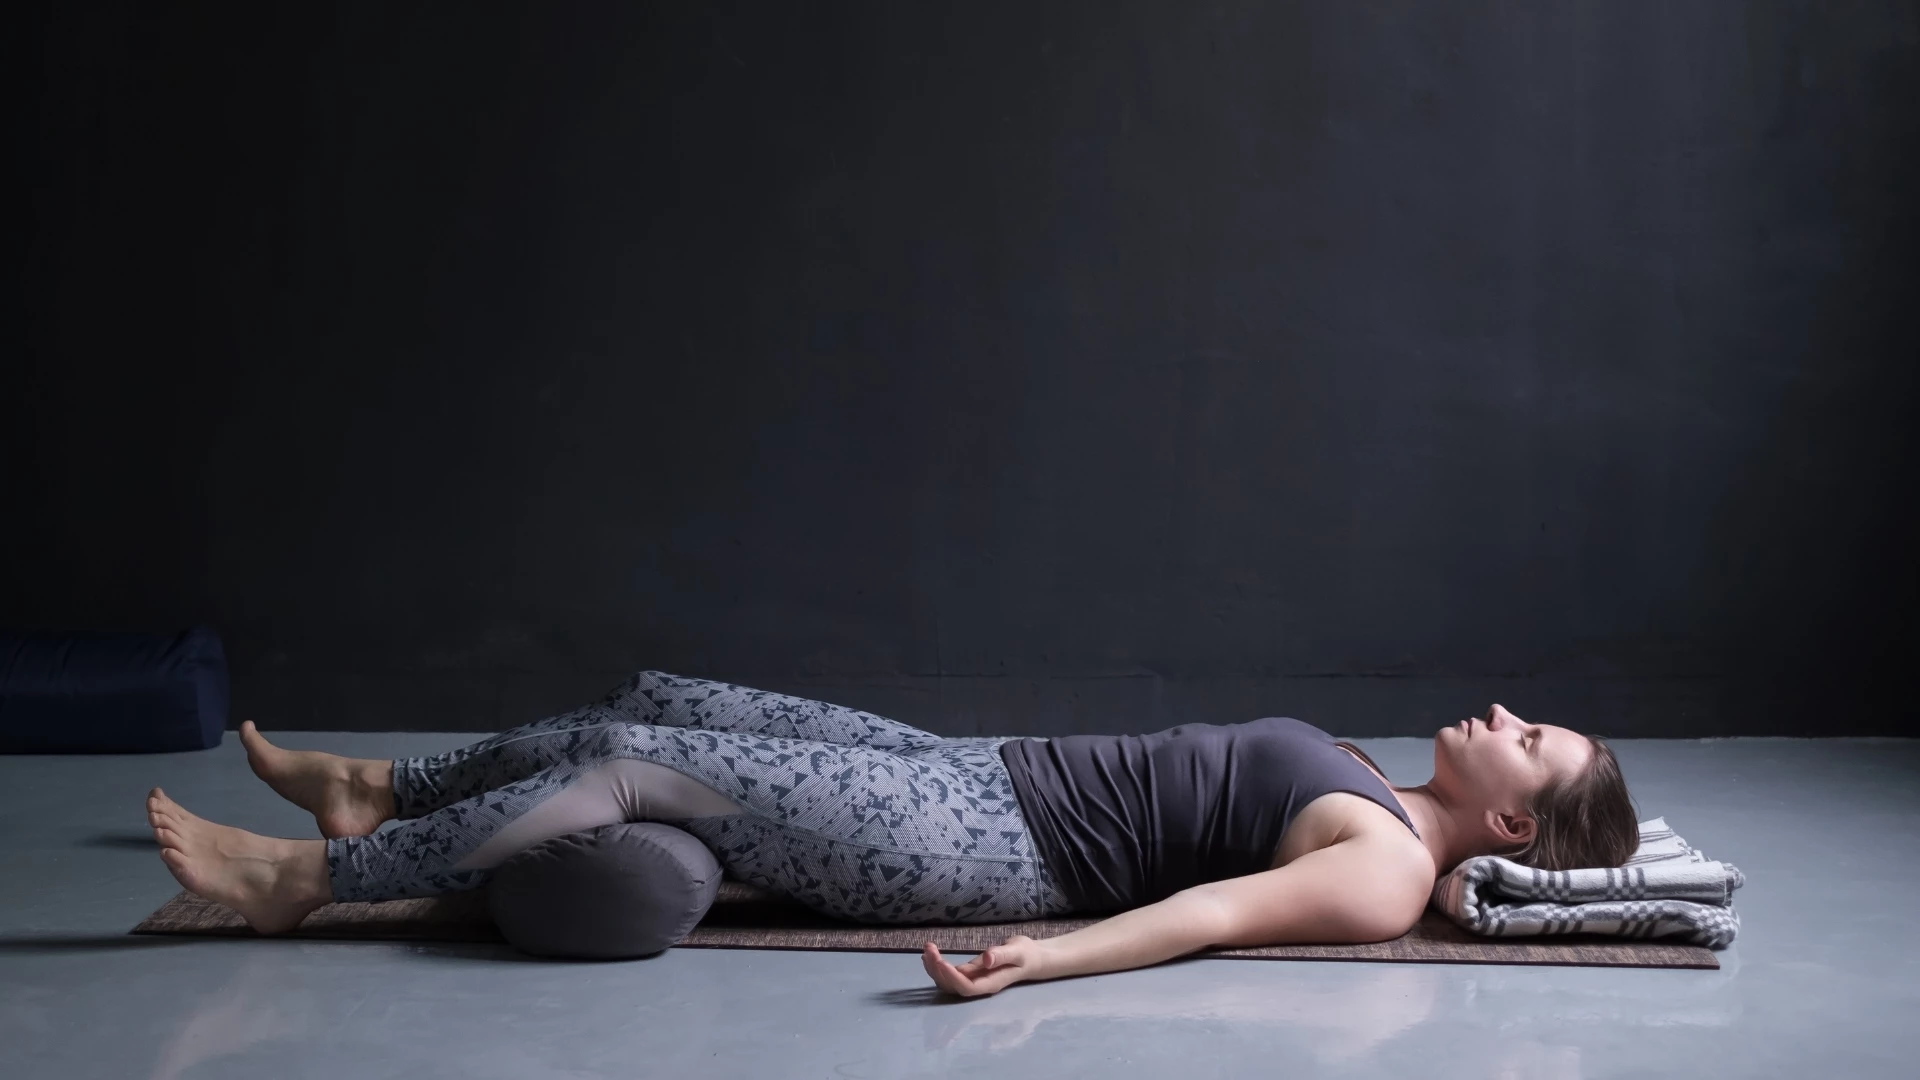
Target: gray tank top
(1124, 820)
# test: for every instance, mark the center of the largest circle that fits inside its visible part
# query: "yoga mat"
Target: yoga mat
(743, 917)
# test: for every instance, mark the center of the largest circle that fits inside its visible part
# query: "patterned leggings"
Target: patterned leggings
(854, 815)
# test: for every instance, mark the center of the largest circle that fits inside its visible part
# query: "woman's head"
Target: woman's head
(1538, 794)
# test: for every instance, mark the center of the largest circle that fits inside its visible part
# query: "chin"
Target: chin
(1447, 749)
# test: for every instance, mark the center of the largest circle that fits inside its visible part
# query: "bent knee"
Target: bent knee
(649, 791)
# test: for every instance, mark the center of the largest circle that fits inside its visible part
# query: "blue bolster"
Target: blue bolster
(91, 692)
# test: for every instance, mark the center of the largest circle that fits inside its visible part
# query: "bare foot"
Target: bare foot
(272, 883)
(346, 796)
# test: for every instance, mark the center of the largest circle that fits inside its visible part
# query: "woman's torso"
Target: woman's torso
(1127, 820)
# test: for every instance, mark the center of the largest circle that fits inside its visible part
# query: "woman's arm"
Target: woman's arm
(1366, 888)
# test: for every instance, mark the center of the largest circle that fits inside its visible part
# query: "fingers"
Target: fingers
(974, 978)
(997, 980)
(942, 973)
(970, 967)
(993, 959)
(945, 975)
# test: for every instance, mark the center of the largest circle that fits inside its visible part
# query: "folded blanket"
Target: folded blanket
(1667, 889)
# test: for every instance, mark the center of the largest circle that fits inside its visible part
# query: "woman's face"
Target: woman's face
(1497, 761)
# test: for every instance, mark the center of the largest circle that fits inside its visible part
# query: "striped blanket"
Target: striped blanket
(1667, 889)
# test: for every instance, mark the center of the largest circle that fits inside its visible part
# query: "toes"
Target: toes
(176, 863)
(171, 815)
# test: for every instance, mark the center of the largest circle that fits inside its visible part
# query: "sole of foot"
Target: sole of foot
(272, 883)
(341, 793)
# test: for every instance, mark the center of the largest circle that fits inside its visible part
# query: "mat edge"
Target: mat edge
(1692, 958)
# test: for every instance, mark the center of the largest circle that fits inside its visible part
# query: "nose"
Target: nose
(1499, 719)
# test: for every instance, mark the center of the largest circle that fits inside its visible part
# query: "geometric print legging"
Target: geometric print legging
(851, 814)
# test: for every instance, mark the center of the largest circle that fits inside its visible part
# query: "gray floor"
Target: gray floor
(1823, 981)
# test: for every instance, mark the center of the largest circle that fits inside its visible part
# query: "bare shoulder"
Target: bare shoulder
(1348, 870)
(1340, 816)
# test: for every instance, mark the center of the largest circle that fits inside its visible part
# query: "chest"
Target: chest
(1337, 815)
(1329, 819)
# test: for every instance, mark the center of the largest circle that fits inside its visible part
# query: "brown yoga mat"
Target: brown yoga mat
(743, 917)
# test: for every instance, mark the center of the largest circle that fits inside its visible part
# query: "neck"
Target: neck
(1440, 829)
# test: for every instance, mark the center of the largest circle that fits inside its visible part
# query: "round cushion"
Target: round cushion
(611, 893)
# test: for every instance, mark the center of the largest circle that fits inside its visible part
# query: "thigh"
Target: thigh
(655, 697)
(422, 785)
(855, 832)
(587, 716)
(871, 883)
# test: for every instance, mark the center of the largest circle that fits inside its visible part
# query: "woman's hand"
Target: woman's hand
(1016, 959)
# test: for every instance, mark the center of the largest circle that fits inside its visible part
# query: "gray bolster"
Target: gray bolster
(611, 893)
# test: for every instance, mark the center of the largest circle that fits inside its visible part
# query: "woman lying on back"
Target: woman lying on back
(1260, 833)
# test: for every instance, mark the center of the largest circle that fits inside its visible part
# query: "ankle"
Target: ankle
(304, 876)
(373, 779)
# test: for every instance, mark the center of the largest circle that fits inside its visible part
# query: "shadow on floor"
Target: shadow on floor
(121, 841)
(53, 944)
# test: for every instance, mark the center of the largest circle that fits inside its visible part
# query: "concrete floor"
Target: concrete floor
(1823, 980)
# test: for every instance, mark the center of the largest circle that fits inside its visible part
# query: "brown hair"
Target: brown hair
(1583, 820)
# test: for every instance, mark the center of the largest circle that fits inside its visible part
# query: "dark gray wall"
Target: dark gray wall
(1007, 368)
